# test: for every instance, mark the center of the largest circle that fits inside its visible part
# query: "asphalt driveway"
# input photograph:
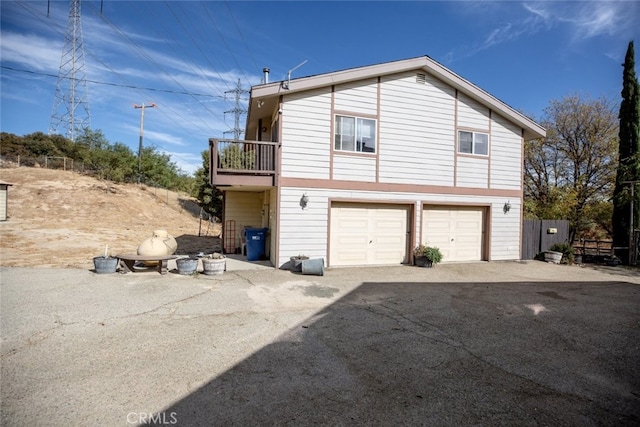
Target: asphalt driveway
(467, 344)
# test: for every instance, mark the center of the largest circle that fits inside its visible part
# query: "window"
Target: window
(355, 134)
(473, 143)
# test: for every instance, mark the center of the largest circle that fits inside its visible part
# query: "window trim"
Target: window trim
(356, 119)
(473, 142)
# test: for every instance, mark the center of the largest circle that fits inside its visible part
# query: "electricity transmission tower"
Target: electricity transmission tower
(237, 111)
(71, 101)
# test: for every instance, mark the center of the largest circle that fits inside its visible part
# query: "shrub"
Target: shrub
(568, 256)
(432, 253)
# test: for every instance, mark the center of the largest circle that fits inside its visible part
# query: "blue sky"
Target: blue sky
(184, 55)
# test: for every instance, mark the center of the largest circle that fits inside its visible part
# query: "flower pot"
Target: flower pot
(213, 267)
(423, 261)
(187, 266)
(552, 256)
(296, 263)
(313, 266)
(105, 265)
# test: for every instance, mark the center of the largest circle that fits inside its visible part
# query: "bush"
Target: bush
(432, 253)
(568, 256)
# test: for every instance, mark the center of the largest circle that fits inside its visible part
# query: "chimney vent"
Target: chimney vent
(266, 70)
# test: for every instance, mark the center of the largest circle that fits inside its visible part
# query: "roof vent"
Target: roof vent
(421, 78)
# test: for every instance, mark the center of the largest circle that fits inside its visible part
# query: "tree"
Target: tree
(573, 168)
(629, 154)
(210, 198)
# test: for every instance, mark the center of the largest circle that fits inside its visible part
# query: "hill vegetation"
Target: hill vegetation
(92, 154)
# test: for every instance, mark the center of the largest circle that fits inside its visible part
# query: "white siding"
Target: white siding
(306, 231)
(245, 208)
(3, 203)
(472, 172)
(357, 97)
(303, 232)
(471, 114)
(417, 130)
(306, 134)
(506, 154)
(505, 230)
(354, 168)
(273, 227)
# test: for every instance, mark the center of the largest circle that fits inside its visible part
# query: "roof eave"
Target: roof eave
(532, 130)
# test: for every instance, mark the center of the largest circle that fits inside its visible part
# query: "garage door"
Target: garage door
(458, 232)
(363, 234)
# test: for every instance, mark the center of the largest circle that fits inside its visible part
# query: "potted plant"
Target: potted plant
(214, 264)
(566, 251)
(427, 256)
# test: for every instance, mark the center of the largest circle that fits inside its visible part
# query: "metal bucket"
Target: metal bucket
(313, 266)
(105, 265)
(187, 266)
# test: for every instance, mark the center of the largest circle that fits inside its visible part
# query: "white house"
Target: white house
(361, 165)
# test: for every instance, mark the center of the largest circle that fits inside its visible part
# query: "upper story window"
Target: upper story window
(473, 143)
(355, 134)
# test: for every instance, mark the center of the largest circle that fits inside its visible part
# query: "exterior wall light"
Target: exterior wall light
(506, 208)
(304, 200)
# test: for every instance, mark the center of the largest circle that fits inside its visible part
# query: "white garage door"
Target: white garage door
(363, 234)
(458, 232)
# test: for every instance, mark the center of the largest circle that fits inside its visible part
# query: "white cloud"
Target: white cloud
(590, 18)
(583, 20)
(31, 51)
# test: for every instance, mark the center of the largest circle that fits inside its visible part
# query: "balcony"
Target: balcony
(242, 163)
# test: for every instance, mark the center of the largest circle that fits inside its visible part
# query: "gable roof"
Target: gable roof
(267, 92)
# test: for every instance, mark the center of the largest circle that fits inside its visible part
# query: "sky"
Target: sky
(187, 57)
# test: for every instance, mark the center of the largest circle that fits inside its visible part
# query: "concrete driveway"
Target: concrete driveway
(460, 344)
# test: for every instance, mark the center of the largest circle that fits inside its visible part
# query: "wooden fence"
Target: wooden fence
(539, 235)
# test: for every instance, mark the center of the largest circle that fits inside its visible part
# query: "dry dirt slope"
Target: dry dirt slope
(62, 219)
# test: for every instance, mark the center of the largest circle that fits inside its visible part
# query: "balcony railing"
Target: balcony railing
(235, 162)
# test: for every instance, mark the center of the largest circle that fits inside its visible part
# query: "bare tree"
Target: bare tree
(573, 169)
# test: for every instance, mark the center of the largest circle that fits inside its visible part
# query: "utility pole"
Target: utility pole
(237, 111)
(141, 107)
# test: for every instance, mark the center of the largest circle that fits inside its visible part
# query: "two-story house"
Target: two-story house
(361, 165)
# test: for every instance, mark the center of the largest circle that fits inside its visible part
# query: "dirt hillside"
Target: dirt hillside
(62, 219)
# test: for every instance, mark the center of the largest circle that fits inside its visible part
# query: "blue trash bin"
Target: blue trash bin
(255, 238)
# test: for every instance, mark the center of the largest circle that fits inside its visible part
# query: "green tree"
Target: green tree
(574, 166)
(629, 154)
(210, 198)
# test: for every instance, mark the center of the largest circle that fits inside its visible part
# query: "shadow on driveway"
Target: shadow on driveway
(561, 353)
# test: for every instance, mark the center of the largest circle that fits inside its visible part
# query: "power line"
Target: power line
(176, 92)
(233, 18)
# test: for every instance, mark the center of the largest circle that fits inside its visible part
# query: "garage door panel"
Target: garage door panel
(457, 231)
(352, 240)
(368, 234)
